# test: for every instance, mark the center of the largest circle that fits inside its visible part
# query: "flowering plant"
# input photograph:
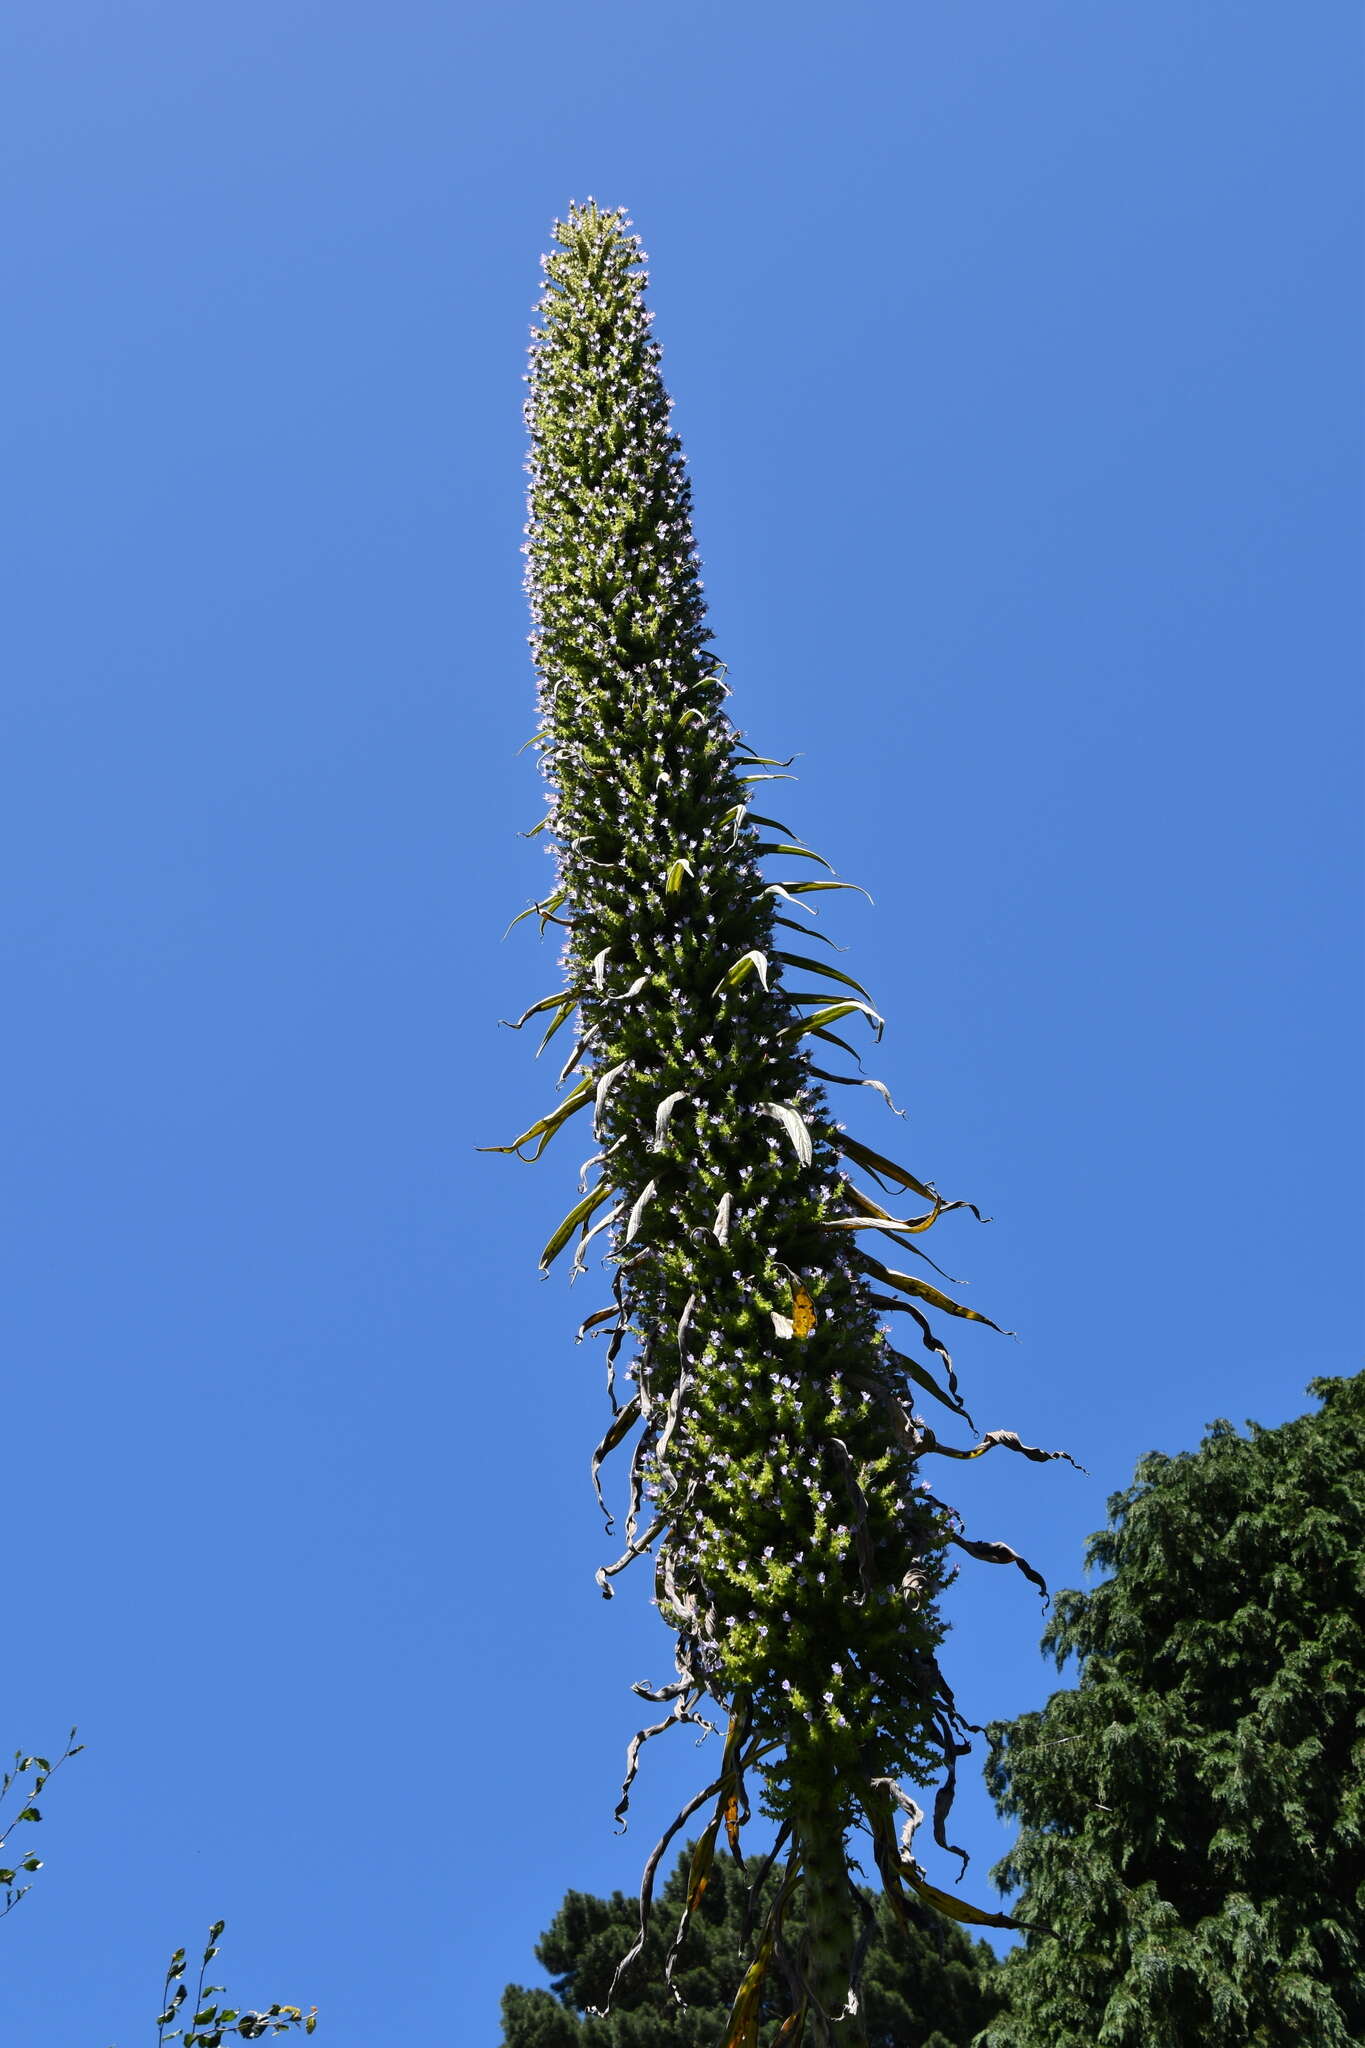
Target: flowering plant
(774, 1478)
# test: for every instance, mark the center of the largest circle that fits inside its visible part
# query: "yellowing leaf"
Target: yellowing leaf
(803, 1313)
(732, 1821)
(699, 1874)
(959, 1909)
(876, 1163)
(742, 2031)
(580, 1213)
(908, 1284)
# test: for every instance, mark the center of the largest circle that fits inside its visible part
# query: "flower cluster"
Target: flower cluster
(797, 1554)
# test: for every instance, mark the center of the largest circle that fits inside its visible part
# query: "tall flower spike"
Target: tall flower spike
(797, 1556)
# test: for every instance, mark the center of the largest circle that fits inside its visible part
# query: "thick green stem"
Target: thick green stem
(833, 1924)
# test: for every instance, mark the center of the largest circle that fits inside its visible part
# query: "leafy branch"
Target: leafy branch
(210, 2025)
(25, 1783)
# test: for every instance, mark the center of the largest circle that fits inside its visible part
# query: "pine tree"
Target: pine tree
(797, 1553)
(1193, 1813)
(923, 1987)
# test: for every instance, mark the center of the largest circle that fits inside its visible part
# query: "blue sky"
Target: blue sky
(1016, 352)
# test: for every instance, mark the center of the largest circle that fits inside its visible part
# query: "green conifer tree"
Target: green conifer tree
(1193, 1813)
(797, 1553)
(923, 1987)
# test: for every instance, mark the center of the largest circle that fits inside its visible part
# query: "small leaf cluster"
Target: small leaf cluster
(22, 1786)
(207, 2024)
(1192, 1814)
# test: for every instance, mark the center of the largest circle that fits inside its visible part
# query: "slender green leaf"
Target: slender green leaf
(820, 967)
(809, 888)
(747, 964)
(579, 1213)
(794, 846)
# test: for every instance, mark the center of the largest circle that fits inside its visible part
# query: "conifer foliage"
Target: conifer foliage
(1193, 1813)
(774, 1477)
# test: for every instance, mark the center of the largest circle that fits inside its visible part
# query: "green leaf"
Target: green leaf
(766, 846)
(845, 1007)
(543, 910)
(747, 964)
(922, 1291)
(579, 1213)
(819, 967)
(561, 1016)
(674, 880)
(809, 888)
(874, 1162)
(546, 1127)
(546, 1003)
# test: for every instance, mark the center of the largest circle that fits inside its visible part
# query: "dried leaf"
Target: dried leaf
(794, 1124)
(663, 1114)
(1007, 1439)
(621, 1427)
(1000, 1553)
(641, 1203)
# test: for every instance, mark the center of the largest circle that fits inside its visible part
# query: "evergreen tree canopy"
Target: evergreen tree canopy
(921, 1989)
(1191, 1815)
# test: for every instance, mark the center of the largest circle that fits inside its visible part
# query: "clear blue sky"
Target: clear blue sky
(1017, 354)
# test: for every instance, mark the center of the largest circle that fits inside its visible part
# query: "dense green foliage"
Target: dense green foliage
(1193, 1814)
(925, 1986)
(774, 1477)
